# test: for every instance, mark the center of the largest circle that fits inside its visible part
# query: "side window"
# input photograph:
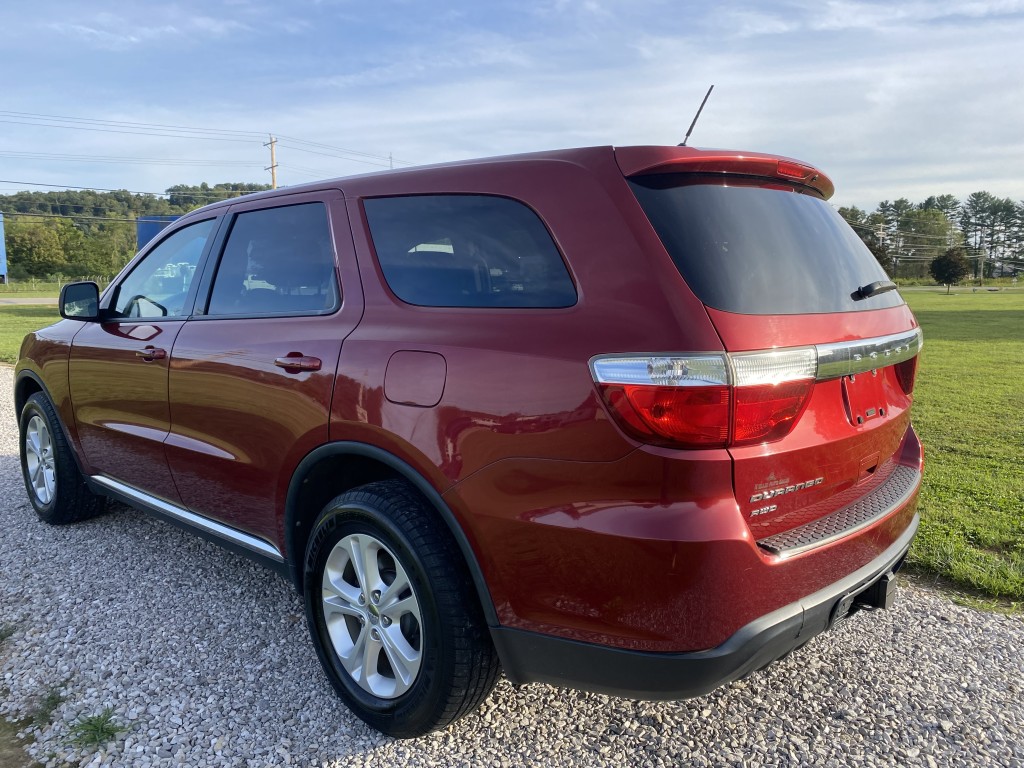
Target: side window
(467, 251)
(158, 285)
(277, 261)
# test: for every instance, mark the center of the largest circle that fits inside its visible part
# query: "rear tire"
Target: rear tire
(393, 613)
(55, 486)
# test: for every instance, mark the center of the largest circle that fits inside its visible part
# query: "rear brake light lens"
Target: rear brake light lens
(688, 417)
(772, 390)
(707, 401)
(676, 401)
(791, 170)
(767, 412)
(906, 374)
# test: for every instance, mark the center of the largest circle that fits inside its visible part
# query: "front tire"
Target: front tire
(393, 613)
(55, 486)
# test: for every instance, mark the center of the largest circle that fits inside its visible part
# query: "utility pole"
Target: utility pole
(881, 244)
(273, 161)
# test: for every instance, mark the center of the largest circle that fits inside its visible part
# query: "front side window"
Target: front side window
(158, 285)
(467, 251)
(277, 261)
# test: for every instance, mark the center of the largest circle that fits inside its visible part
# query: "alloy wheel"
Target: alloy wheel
(372, 616)
(39, 460)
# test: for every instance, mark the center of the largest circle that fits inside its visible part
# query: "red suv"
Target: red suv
(630, 420)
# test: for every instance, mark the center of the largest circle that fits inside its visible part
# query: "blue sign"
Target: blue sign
(3, 252)
(148, 227)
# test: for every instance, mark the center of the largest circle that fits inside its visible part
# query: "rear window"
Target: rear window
(747, 248)
(467, 251)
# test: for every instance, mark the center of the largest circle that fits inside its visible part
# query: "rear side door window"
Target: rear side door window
(467, 251)
(277, 261)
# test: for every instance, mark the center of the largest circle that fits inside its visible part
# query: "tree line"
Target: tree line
(986, 231)
(87, 232)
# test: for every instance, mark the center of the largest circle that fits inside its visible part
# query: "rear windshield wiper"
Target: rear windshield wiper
(873, 289)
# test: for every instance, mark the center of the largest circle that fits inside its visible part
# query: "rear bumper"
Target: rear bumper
(533, 657)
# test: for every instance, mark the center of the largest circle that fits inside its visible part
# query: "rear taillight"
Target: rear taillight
(906, 373)
(772, 389)
(707, 401)
(676, 401)
(713, 400)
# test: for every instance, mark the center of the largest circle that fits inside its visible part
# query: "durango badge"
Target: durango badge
(774, 492)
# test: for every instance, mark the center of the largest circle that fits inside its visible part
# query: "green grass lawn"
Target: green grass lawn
(968, 409)
(34, 289)
(28, 293)
(16, 321)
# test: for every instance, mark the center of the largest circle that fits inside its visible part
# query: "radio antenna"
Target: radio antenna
(697, 116)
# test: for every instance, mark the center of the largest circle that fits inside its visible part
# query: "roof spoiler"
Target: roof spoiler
(642, 161)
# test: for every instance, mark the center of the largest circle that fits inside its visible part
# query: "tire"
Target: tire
(403, 641)
(55, 485)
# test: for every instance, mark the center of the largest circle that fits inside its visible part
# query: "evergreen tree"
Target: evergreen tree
(950, 268)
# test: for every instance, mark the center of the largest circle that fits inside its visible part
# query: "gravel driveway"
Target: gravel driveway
(205, 660)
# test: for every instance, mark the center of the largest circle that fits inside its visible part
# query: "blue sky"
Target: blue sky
(889, 98)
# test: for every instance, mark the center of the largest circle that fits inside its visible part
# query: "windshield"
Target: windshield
(744, 246)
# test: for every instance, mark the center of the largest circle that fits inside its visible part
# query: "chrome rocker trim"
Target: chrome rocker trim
(180, 514)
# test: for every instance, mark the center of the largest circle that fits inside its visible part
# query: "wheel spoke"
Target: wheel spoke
(341, 604)
(371, 655)
(404, 659)
(49, 482)
(355, 553)
(369, 548)
(32, 444)
(390, 596)
(353, 659)
(396, 610)
(334, 578)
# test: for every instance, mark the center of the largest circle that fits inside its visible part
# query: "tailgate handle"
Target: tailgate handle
(868, 465)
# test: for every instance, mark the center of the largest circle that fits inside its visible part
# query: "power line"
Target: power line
(128, 160)
(310, 172)
(95, 121)
(338, 157)
(135, 133)
(345, 151)
(176, 131)
(871, 228)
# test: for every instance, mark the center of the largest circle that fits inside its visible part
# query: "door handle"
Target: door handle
(294, 363)
(151, 353)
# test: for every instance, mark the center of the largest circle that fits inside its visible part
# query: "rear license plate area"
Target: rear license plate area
(864, 397)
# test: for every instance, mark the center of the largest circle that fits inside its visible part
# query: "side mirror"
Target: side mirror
(80, 301)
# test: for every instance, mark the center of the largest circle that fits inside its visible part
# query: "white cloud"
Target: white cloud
(169, 24)
(891, 99)
(114, 37)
